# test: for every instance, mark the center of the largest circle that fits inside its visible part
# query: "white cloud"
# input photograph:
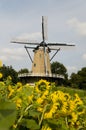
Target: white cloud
(71, 69)
(8, 54)
(84, 56)
(78, 26)
(3, 58)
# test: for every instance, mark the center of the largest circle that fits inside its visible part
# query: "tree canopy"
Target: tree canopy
(9, 71)
(78, 80)
(58, 68)
(21, 71)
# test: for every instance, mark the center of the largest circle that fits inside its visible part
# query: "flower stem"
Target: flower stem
(40, 122)
(20, 118)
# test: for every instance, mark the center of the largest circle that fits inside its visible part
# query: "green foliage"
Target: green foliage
(7, 114)
(30, 123)
(9, 71)
(79, 80)
(58, 68)
(21, 71)
(40, 107)
(56, 124)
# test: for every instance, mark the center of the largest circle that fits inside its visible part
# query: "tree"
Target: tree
(75, 80)
(9, 71)
(79, 80)
(21, 71)
(58, 68)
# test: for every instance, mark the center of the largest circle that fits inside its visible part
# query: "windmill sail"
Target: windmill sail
(41, 60)
(44, 28)
(18, 41)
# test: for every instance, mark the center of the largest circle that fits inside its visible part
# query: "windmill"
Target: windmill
(41, 60)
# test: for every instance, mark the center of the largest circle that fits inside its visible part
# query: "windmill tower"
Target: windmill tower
(41, 61)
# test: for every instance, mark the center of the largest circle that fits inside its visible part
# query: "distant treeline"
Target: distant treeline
(77, 80)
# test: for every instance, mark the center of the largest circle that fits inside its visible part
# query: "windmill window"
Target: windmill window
(34, 65)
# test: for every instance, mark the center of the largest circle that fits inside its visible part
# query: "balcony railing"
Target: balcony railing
(40, 75)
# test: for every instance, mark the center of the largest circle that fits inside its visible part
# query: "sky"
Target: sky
(21, 19)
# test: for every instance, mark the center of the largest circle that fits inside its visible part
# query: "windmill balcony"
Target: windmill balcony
(40, 75)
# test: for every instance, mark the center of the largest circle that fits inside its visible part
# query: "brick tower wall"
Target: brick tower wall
(41, 62)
